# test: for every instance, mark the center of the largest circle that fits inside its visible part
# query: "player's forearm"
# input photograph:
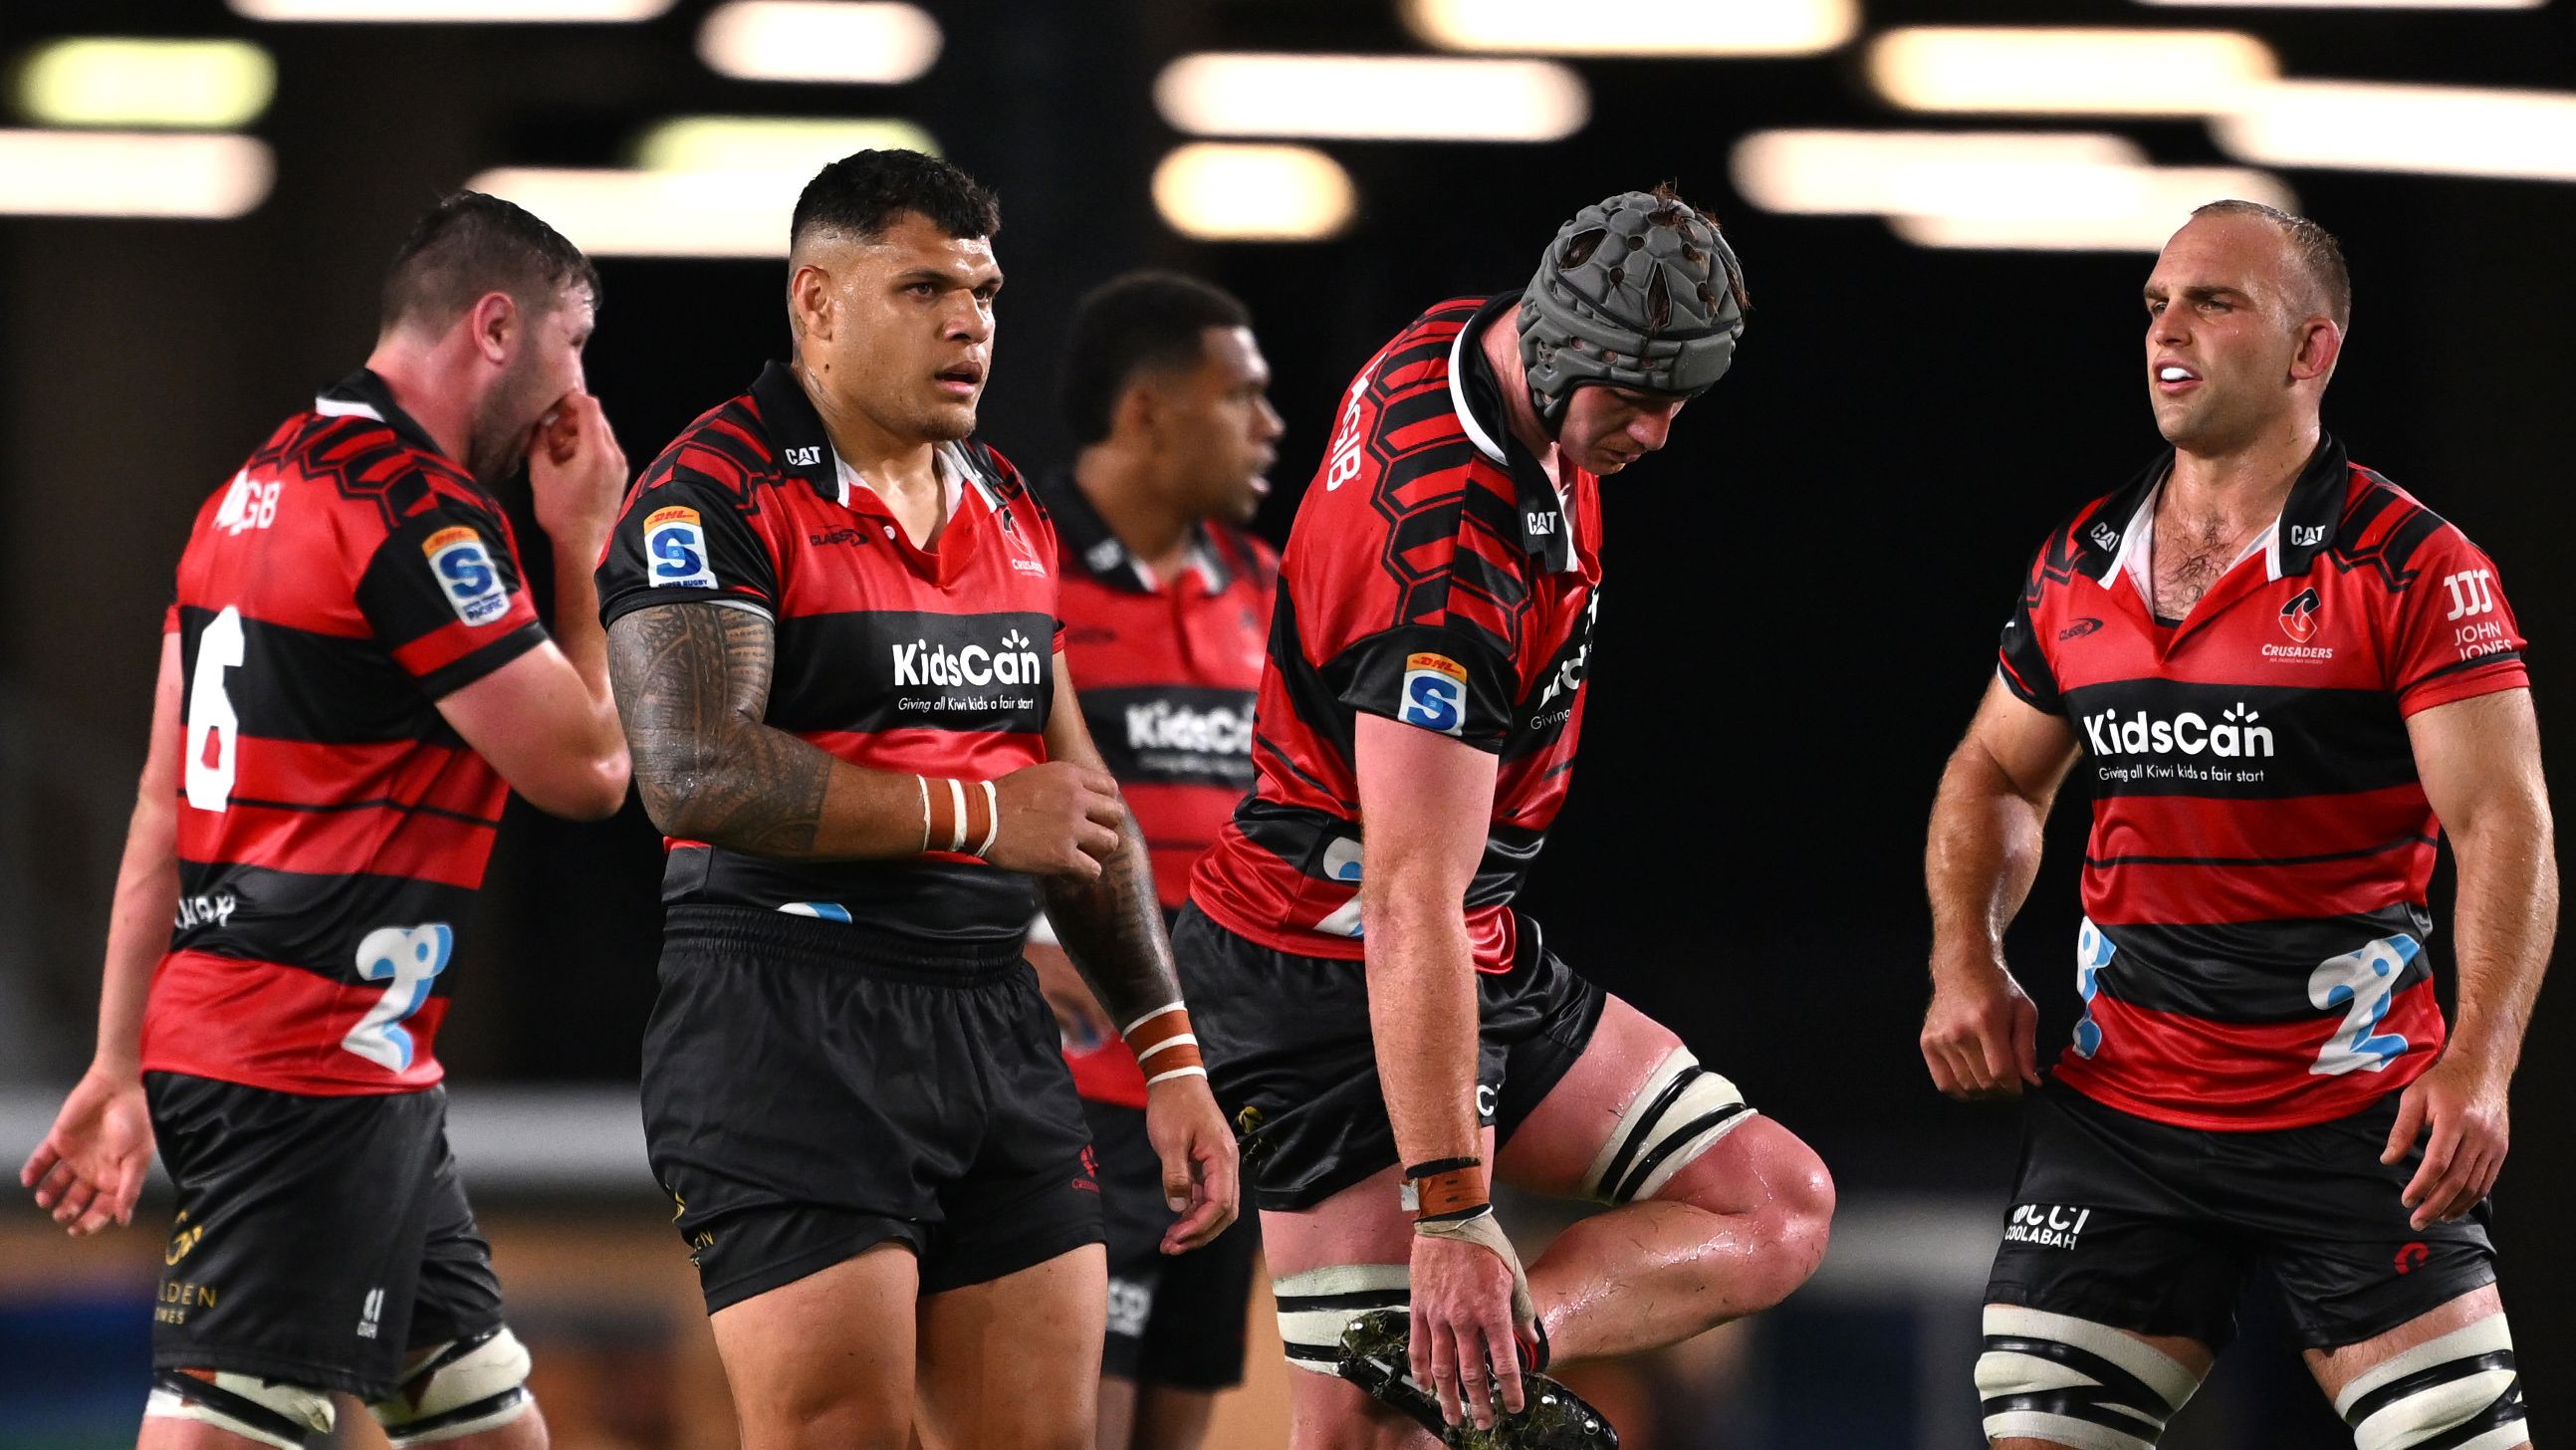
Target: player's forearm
(691, 681)
(2505, 921)
(578, 633)
(138, 933)
(1422, 1018)
(1112, 928)
(1981, 857)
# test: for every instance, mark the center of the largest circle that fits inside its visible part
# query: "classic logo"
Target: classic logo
(846, 534)
(2234, 735)
(1435, 693)
(2078, 629)
(2299, 616)
(464, 569)
(923, 663)
(2046, 1225)
(676, 543)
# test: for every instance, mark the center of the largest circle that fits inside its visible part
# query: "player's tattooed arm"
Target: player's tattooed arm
(692, 684)
(1111, 924)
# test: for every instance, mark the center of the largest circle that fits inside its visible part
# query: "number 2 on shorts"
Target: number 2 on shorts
(2362, 981)
(410, 956)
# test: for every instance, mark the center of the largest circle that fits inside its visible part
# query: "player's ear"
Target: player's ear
(1140, 410)
(2320, 343)
(493, 324)
(811, 308)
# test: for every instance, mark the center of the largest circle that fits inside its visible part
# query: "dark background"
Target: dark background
(1807, 582)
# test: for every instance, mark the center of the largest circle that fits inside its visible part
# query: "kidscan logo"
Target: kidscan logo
(1163, 725)
(923, 663)
(2234, 736)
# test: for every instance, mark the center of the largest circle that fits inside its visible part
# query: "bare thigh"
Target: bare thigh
(1014, 1363)
(826, 1361)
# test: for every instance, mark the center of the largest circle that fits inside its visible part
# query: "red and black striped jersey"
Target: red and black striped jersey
(1169, 671)
(2255, 882)
(1434, 577)
(332, 827)
(892, 657)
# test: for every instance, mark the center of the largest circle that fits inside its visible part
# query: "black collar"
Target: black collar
(796, 430)
(2309, 516)
(369, 391)
(1102, 554)
(1546, 533)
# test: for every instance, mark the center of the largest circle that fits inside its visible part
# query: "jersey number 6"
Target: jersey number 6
(213, 730)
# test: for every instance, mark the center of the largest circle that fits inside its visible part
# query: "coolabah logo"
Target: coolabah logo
(1163, 725)
(2233, 736)
(923, 663)
(2046, 1225)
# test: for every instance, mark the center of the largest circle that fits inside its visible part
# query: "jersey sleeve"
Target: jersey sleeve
(2022, 660)
(2455, 635)
(1428, 639)
(687, 536)
(444, 597)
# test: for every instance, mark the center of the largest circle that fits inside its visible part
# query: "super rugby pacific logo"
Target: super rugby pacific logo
(466, 574)
(922, 663)
(675, 541)
(1435, 693)
(2233, 736)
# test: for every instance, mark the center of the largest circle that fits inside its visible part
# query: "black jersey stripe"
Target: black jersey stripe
(2319, 859)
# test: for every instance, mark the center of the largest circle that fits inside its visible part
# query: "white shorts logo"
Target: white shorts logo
(465, 571)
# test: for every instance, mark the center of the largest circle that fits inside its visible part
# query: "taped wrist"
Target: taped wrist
(1449, 1200)
(961, 817)
(1164, 1045)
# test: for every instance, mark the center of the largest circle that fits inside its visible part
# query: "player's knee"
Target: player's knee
(256, 1409)
(1315, 1306)
(1779, 1184)
(2072, 1382)
(460, 1388)
(2461, 1389)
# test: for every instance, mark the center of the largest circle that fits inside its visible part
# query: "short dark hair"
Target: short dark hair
(470, 244)
(1131, 324)
(861, 194)
(2316, 248)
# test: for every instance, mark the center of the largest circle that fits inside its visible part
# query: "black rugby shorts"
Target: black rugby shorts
(1291, 1058)
(1174, 1319)
(812, 1091)
(318, 1238)
(2148, 1227)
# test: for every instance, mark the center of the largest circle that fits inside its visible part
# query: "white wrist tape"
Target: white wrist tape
(957, 804)
(992, 813)
(1486, 1231)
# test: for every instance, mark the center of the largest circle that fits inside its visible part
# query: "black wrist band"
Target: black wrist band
(1442, 1165)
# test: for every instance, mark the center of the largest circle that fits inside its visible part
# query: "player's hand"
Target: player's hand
(89, 1169)
(577, 472)
(1057, 819)
(1462, 1322)
(1981, 1034)
(2461, 1102)
(1077, 1012)
(1197, 1148)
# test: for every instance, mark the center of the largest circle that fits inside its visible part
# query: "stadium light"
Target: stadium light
(1644, 28)
(597, 12)
(857, 41)
(2159, 200)
(2073, 72)
(779, 146)
(2442, 130)
(132, 174)
(1886, 172)
(98, 80)
(1233, 193)
(618, 213)
(1372, 97)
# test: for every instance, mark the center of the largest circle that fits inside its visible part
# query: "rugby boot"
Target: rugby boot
(1376, 1356)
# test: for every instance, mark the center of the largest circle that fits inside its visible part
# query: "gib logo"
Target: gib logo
(1163, 725)
(923, 663)
(2234, 736)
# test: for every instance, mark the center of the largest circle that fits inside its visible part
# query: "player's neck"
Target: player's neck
(2242, 487)
(434, 386)
(890, 461)
(1502, 348)
(1120, 484)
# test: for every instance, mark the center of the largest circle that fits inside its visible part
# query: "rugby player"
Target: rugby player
(1377, 1014)
(1166, 608)
(2290, 678)
(352, 680)
(832, 616)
